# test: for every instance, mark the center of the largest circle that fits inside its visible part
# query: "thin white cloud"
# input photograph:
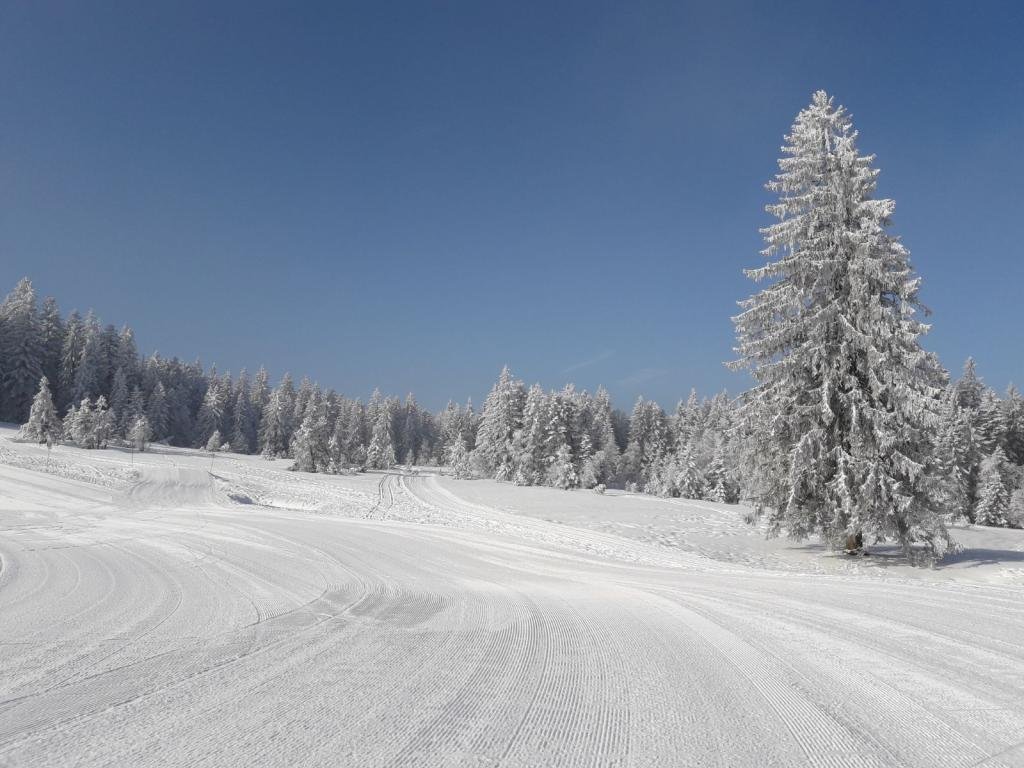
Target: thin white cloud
(592, 361)
(642, 376)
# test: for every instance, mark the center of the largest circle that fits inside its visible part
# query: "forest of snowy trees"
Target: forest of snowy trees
(850, 428)
(71, 378)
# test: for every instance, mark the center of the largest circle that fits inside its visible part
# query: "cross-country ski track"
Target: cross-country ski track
(170, 608)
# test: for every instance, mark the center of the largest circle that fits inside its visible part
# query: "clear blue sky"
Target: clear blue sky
(410, 195)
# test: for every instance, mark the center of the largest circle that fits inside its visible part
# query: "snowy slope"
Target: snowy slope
(164, 609)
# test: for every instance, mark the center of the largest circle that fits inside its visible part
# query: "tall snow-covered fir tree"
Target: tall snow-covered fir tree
(70, 357)
(22, 352)
(157, 412)
(52, 325)
(310, 443)
(993, 493)
(502, 417)
(43, 425)
(1013, 418)
(139, 433)
(844, 403)
(244, 426)
(380, 454)
(274, 435)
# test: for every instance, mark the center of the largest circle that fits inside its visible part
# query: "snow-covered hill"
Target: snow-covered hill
(170, 608)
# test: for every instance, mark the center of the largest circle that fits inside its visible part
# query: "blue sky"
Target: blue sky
(410, 195)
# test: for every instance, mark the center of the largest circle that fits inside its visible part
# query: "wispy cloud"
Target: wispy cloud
(642, 376)
(592, 361)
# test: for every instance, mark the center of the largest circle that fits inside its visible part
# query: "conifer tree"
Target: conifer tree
(274, 435)
(259, 395)
(243, 434)
(53, 341)
(43, 425)
(530, 440)
(139, 433)
(381, 452)
(22, 352)
(89, 371)
(286, 398)
(647, 443)
(126, 356)
(844, 404)
(350, 434)
(603, 465)
(458, 459)
(210, 418)
(213, 444)
(157, 412)
(310, 443)
(302, 398)
(993, 494)
(970, 388)
(955, 457)
(502, 417)
(1013, 418)
(103, 423)
(120, 401)
(70, 356)
(411, 429)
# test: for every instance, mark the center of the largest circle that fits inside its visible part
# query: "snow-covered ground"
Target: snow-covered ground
(170, 609)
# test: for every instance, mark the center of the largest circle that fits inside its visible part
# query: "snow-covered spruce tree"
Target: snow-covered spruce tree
(564, 440)
(1013, 417)
(157, 412)
(126, 356)
(970, 388)
(90, 424)
(530, 440)
(89, 372)
(139, 433)
(211, 414)
(258, 396)
(990, 432)
(78, 423)
(70, 357)
(43, 425)
(1015, 516)
(603, 465)
(561, 470)
(411, 432)
(349, 443)
(21, 350)
(302, 398)
(844, 406)
(381, 452)
(955, 457)
(274, 434)
(993, 494)
(310, 445)
(120, 402)
(136, 406)
(102, 423)
(243, 433)
(502, 417)
(213, 444)
(647, 444)
(458, 459)
(52, 325)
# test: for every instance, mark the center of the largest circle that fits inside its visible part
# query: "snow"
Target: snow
(173, 608)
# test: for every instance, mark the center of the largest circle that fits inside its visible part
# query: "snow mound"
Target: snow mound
(173, 487)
